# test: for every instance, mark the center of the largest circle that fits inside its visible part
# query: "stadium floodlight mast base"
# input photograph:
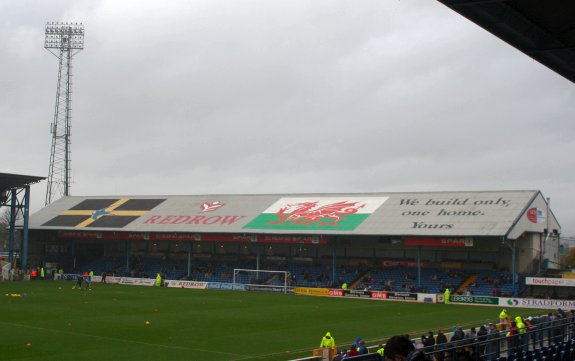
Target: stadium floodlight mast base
(269, 273)
(63, 40)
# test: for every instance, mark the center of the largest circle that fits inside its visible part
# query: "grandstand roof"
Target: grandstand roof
(542, 30)
(9, 181)
(485, 213)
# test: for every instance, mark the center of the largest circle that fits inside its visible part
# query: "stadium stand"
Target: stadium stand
(433, 280)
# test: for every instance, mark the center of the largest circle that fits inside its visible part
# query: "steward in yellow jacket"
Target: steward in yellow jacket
(521, 329)
(503, 317)
(327, 341)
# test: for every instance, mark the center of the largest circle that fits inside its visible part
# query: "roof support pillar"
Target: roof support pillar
(24, 248)
(418, 267)
(512, 247)
(12, 234)
(190, 248)
(334, 264)
(128, 253)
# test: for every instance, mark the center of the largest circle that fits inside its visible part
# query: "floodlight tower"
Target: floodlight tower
(63, 40)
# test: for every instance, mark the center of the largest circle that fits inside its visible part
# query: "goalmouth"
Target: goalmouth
(262, 280)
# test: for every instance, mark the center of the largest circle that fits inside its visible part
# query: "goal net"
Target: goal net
(5, 275)
(262, 280)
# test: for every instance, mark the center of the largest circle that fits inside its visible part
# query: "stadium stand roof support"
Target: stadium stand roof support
(15, 193)
(544, 30)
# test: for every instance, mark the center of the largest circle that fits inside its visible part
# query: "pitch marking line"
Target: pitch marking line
(128, 341)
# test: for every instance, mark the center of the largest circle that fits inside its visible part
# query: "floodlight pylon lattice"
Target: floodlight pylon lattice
(63, 40)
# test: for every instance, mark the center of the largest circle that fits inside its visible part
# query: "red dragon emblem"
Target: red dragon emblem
(304, 213)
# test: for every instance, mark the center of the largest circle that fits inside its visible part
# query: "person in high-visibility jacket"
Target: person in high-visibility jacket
(503, 317)
(42, 273)
(381, 350)
(446, 295)
(158, 279)
(327, 341)
(520, 325)
(522, 330)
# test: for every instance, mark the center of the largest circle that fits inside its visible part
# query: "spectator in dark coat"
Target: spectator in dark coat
(400, 348)
(440, 340)
(428, 341)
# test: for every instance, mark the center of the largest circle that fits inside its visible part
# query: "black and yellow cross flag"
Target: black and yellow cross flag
(103, 213)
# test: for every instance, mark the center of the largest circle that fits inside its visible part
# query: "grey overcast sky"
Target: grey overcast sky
(241, 96)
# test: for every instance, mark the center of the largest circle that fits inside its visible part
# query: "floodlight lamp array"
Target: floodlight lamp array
(64, 36)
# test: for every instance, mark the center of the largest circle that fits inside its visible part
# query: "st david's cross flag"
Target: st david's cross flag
(103, 213)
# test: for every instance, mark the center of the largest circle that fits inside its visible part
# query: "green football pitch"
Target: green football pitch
(55, 322)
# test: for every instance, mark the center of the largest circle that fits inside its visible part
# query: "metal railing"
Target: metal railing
(557, 333)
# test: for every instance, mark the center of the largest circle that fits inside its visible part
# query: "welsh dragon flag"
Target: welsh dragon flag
(317, 213)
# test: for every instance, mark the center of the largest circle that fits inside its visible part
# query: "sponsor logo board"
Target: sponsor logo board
(226, 286)
(357, 293)
(137, 281)
(541, 281)
(536, 303)
(311, 291)
(187, 284)
(404, 296)
(225, 220)
(211, 206)
(264, 288)
(394, 264)
(478, 300)
(439, 242)
(335, 293)
(380, 295)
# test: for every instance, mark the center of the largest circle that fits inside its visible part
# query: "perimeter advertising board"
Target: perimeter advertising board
(380, 295)
(311, 291)
(335, 292)
(540, 281)
(186, 284)
(226, 286)
(357, 293)
(476, 300)
(402, 296)
(537, 303)
(137, 281)
(263, 288)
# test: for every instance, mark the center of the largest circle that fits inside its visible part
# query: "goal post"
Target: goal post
(262, 280)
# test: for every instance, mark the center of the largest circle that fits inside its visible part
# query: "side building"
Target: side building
(342, 237)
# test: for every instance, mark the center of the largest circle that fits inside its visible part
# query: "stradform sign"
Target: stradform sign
(536, 303)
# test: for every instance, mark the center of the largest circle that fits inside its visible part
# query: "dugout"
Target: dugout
(514, 230)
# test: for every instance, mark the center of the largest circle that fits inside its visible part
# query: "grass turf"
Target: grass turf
(54, 322)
